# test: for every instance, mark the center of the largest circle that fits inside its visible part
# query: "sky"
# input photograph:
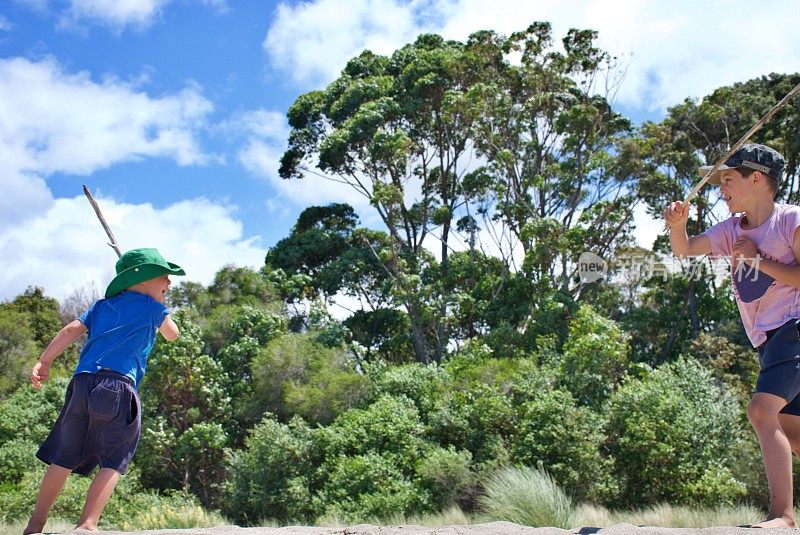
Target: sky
(173, 111)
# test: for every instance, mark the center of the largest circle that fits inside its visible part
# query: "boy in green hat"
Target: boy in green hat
(100, 422)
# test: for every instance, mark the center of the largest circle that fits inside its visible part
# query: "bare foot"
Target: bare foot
(779, 522)
(33, 527)
(86, 528)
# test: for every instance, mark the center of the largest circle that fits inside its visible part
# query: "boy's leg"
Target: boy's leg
(52, 483)
(97, 497)
(777, 454)
(790, 423)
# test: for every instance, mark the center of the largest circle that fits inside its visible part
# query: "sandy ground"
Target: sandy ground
(494, 528)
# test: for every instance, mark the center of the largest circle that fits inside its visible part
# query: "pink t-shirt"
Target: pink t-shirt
(764, 303)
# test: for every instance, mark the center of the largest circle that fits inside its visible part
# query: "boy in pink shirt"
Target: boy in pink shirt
(763, 244)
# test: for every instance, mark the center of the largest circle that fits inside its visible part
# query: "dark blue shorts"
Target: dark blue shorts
(779, 359)
(100, 423)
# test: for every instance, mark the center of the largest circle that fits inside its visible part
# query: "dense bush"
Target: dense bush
(129, 499)
(594, 357)
(421, 384)
(367, 486)
(448, 477)
(565, 438)
(294, 374)
(29, 414)
(269, 479)
(674, 435)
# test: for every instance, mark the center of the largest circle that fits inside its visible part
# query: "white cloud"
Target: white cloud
(673, 50)
(65, 247)
(116, 13)
(59, 121)
(312, 41)
(5, 24)
(267, 132)
(52, 121)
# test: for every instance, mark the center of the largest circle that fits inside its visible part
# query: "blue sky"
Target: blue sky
(173, 111)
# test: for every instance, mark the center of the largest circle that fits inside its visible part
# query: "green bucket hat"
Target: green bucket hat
(139, 265)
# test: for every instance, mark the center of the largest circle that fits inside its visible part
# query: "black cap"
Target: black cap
(753, 156)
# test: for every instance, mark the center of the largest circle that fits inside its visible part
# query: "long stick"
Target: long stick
(756, 127)
(113, 243)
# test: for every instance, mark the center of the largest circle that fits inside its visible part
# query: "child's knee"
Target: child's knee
(759, 412)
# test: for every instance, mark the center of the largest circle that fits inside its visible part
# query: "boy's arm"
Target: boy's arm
(746, 250)
(67, 335)
(168, 329)
(676, 217)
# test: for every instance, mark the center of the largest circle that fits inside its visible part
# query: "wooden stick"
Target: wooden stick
(113, 243)
(756, 127)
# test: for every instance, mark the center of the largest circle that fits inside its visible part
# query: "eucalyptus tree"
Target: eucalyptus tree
(395, 129)
(558, 176)
(443, 133)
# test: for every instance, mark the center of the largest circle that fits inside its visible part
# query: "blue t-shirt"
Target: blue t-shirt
(122, 332)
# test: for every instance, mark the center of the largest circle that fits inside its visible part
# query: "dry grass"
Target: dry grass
(668, 516)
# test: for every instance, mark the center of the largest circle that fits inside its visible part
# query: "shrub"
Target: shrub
(16, 458)
(526, 496)
(16, 502)
(29, 414)
(595, 357)
(478, 418)
(672, 434)
(294, 375)
(389, 425)
(366, 487)
(565, 439)
(268, 479)
(419, 383)
(447, 476)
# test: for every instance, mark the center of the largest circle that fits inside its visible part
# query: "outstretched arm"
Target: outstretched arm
(65, 337)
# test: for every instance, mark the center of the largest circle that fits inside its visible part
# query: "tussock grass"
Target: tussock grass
(526, 496)
(181, 517)
(453, 516)
(669, 516)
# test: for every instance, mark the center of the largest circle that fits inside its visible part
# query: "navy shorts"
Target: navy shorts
(779, 360)
(100, 423)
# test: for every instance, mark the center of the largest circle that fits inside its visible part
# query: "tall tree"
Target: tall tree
(443, 132)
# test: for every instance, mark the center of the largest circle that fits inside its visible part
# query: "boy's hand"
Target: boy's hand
(744, 250)
(676, 215)
(39, 374)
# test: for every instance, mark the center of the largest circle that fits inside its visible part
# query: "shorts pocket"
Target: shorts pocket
(104, 403)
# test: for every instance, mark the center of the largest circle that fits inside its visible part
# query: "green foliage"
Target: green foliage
(269, 479)
(41, 312)
(18, 350)
(595, 357)
(29, 414)
(420, 383)
(447, 476)
(368, 486)
(389, 425)
(182, 391)
(16, 458)
(478, 418)
(526, 496)
(128, 500)
(294, 374)
(566, 438)
(674, 434)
